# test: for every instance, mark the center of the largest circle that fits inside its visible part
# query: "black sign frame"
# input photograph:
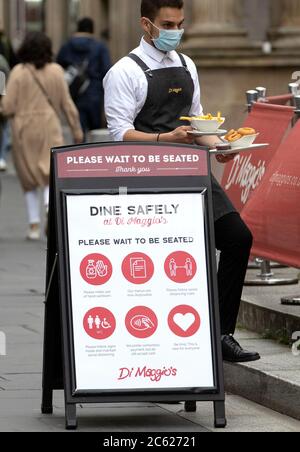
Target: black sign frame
(59, 362)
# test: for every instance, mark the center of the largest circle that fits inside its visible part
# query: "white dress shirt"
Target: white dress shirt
(126, 87)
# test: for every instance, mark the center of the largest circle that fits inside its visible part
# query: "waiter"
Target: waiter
(145, 95)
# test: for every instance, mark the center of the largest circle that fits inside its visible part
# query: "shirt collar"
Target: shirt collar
(156, 54)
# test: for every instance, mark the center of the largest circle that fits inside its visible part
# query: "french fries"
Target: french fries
(208, 117)
(186, 118)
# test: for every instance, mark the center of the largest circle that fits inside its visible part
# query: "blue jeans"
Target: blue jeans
(4, 144)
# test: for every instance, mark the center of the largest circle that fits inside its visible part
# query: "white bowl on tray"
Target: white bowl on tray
(244, 142)
(207, 125)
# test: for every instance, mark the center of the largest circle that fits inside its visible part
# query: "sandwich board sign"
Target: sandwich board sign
(132, 303)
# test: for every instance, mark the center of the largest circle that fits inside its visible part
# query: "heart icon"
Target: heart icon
(185, 321)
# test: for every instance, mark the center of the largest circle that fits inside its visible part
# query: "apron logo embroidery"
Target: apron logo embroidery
(175, 90)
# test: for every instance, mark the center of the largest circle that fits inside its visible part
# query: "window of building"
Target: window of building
(73, 14)
(35, 15)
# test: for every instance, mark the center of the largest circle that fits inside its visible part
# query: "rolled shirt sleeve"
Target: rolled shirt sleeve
(123, 99)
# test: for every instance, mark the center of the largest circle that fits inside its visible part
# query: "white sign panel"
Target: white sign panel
(139, 289)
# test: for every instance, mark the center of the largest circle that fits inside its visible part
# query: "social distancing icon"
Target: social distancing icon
(180, 267)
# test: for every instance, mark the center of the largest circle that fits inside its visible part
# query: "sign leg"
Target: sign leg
(47, 401)
(71, 417)
(220, 415)
(52, 366)
(190, 407)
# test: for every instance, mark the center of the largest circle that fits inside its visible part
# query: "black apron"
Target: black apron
(170, 96)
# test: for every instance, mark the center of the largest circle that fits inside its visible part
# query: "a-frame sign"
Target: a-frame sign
(132, 309)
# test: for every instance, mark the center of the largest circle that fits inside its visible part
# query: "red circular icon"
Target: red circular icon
(184, 321)
(96, 269)
(138, 268)
(180, 267)
(141, 322)
(99, 323)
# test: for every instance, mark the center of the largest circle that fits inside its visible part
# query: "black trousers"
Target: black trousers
(234, 240)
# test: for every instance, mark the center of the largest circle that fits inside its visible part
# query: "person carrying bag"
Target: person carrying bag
(36, 97)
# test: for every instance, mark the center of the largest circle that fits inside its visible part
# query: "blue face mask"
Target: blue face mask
(168, 40)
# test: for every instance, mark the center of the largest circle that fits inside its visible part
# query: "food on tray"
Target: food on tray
(208, 117)
(247, 131)
(186, 118)
(235, 135)
(241, 138)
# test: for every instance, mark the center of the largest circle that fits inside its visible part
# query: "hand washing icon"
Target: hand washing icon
(99, 269)
(96, 269)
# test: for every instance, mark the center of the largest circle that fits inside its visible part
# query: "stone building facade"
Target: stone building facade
(237, 44)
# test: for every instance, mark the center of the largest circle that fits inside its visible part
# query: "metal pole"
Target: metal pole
(252, 97)
(256, 264)
(294, 90)
(262, 93)
(265, 278)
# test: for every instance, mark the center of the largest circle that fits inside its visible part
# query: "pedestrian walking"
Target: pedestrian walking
(145, 95)
(86, 61)
(36, 96)
(6, 49)
(7, 52)
(4, 126)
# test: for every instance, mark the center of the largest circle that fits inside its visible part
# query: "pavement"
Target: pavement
(22, 273)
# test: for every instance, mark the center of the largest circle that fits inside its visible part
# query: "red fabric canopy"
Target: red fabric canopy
(284, 99)
(273, 212)
(243, 175)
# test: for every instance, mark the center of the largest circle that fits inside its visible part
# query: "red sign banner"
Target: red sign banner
(273, 213)
(244, 174)
(132, 161)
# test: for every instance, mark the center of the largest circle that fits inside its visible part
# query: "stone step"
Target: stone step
(273, 382)
(262, 312)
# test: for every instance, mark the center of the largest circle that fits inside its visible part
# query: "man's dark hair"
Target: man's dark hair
(36, 49)
(150, 8)
(86, 25)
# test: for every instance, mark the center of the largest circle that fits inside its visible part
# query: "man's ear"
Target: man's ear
(145, 24)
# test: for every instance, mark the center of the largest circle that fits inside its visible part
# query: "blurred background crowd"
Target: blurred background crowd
(241, 41)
